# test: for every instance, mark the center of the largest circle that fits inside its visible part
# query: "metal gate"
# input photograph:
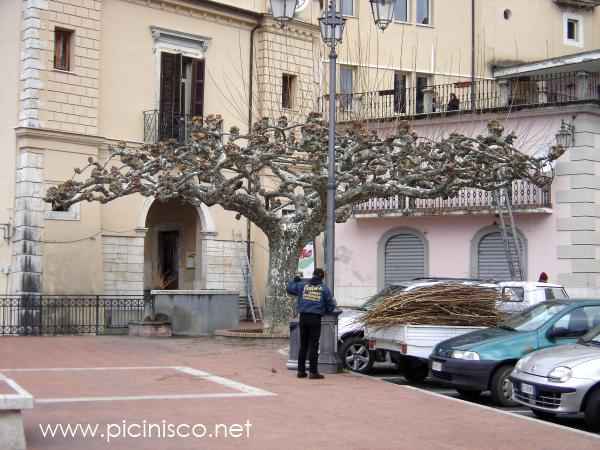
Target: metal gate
(491, 257)
(41, 315)
(404, 258)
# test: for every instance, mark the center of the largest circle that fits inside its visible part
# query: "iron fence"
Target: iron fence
(524, 195)
(39, 315)
(531, 91)
(165, 125)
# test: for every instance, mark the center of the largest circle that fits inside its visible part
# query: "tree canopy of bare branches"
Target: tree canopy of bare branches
(284, 166)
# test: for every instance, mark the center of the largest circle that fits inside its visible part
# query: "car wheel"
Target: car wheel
(544, 415)
(355, 355)
(501, 387)
(469, 394)
(415, 373)
(592, 411)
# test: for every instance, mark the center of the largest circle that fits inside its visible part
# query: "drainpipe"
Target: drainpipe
(473, 77)
(250, 107)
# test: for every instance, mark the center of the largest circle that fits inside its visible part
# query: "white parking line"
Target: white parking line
(244, 390)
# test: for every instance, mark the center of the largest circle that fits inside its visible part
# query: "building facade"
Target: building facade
(396, 239)
(81, 75)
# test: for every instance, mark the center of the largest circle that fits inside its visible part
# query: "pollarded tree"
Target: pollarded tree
(284, 166)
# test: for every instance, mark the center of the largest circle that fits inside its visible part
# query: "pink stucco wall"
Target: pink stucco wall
(449, 238)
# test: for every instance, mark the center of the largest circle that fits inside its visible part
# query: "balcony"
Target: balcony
(163, 126)
(546, 89)
(587, 4)
(525, 197)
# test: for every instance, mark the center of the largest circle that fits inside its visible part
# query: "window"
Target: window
(423, 12)
(347, 7)
(288, 88)
(577, 322)
(573, 30)
(62, 49)
(346, 81)
(513, 294)
(401, 11)
(181, 94)
(399, 92)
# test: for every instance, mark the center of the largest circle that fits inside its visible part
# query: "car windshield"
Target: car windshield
(381, 296)
(532, 318)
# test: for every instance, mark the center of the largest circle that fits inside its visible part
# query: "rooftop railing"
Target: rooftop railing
(454, 98)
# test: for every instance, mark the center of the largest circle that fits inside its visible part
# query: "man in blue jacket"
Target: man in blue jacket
(314, 300)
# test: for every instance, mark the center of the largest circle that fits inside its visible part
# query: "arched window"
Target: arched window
(490, 255)
(404, 257)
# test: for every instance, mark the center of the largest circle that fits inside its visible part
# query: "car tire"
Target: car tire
(592, 411)
(544, 415)
(415, 373)
(501, 387)
(355, 355)
(469, 394)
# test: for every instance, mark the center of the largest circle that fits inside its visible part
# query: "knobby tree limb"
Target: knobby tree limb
(276, 176)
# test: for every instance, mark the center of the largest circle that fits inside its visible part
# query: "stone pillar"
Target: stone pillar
(504, 88)
(578, 206)
(428, 94)
(26, 276)
(582, 85)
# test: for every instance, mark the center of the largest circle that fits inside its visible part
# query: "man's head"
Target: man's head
(319, 273)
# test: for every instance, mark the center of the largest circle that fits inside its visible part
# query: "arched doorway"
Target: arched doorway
(171, 257)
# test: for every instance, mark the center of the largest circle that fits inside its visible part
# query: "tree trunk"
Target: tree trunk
(283, 264)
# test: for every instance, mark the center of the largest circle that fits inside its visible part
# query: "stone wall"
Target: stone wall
(123, 264)
(578, 207)
(225, 262)
(290, 52)
(52, 98)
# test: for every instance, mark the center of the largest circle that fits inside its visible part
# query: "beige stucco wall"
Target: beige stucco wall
(444, 47)
(9, 80)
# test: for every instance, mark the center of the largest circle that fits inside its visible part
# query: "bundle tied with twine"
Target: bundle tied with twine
(451, 304)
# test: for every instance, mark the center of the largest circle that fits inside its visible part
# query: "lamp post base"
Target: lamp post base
(328, 359)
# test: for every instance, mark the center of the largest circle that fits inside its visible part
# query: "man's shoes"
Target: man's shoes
(315, 376)
(301, 374)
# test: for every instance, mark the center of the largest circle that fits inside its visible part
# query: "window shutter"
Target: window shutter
(170, 94)
(197, 87)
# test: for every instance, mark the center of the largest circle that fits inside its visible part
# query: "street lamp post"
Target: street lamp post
(332, 28)
(331, 24)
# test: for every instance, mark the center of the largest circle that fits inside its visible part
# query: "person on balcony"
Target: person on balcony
(314, 300)
(454, 103)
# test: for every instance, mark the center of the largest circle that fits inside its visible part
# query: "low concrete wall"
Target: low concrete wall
(198, 312)
(13, 399)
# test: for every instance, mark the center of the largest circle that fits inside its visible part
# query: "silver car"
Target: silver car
(562, 380)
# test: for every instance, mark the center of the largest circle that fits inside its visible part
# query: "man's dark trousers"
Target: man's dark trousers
(310, 332)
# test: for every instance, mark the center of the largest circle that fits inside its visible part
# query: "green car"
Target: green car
(483, 360)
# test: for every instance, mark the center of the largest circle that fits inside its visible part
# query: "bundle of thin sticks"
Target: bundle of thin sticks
(452, 304)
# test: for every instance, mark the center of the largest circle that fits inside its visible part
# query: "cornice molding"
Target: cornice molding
(204, 9)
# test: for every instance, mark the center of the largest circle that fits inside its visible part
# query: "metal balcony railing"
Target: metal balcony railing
(524, 197)
(166, 125)
(436, 100)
